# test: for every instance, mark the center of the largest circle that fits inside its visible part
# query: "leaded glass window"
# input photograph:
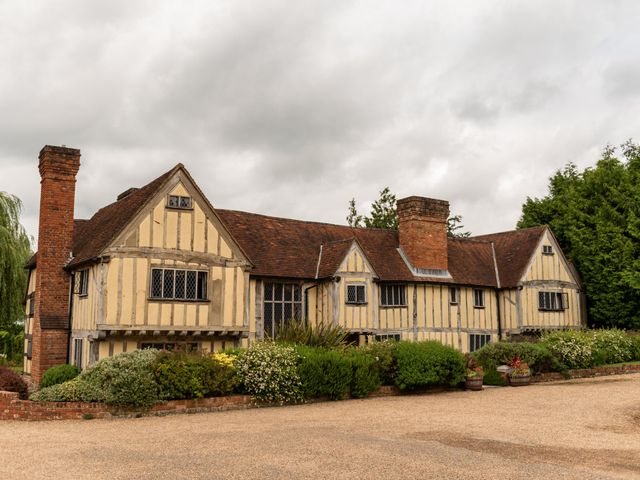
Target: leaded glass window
(177, 284)
(282, 304)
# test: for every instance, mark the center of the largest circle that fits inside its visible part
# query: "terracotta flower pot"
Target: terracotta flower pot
(474, 383)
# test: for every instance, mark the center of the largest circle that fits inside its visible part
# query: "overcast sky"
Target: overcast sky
(290, 108)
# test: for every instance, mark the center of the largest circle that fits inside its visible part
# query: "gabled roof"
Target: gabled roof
(514, 249)
(331, 256)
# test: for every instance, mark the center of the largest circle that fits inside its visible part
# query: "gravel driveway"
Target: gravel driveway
(578, 429)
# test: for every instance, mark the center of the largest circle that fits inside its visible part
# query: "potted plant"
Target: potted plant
(474, 375)
(520, 373)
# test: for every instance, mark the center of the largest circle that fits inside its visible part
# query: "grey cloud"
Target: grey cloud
(293, 108)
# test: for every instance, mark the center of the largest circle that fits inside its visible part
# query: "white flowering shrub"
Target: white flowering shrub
(573, 348)
(612, 346)
(268, 372)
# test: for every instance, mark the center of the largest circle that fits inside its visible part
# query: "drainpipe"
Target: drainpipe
(498, 289)
(72, 286)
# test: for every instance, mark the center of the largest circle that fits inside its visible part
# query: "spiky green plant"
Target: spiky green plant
(323, 334)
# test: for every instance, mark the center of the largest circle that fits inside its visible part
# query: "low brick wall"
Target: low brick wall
(12, 408)
(586, 373)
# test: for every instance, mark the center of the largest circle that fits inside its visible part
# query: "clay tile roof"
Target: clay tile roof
(514, 249)
(332, 255)
(95, 234)
(280, 247)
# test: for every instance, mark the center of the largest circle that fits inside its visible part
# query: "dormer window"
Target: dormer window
(177, 201)
(547, 250)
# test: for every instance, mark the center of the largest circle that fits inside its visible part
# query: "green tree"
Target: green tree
(15, 249)
(595, 215)
(385, 215)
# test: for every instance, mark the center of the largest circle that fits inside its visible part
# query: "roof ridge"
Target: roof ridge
(509, 231)
(305, 221)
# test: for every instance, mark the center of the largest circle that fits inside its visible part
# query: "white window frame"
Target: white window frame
(357, 286)
(547, 249)
(552, 301)
(478, 298)
(454, 295)
(390, 288)
(173, 298)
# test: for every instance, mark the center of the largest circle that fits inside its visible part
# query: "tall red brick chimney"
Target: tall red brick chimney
(422, 223)
(58, 168)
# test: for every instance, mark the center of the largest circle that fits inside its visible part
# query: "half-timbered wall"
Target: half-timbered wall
(29, 318)
(545, 273)
(118, 296)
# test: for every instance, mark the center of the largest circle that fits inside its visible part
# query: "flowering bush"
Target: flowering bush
(267, 371)
(573, 348)
(537, 355)
(74, 390)
(612, 346)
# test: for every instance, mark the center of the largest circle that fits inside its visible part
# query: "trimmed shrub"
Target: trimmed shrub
(59, 374)
(385, 360)
(635, 346)
(493, 377)
(126, 379)
(422, 364)
(182, 375)
(10, 381)
(365, 373)
(612, 346)
(536, 355)
(323, 372)
(75, 390)
(573, 348)
(268, 372)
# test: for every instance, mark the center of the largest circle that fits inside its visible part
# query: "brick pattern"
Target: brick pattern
(58, 168)
(11, 408)
(586, 373)
(422, 225)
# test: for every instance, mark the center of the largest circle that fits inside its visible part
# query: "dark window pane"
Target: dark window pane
(185, 202)
(174, 201)
(268, 320)
(288, 293)
(268, 291)
(297, 311)
(191, 285)
(202, 285)
(383, 295)
(296, 293)
(277, 312)
(156, 283)
(180, 283)
(277, 294)
(287, 313)
(351, 293)
(168, 284)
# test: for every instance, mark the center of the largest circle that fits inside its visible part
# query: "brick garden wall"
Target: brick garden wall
(586, 373)
(12, 408)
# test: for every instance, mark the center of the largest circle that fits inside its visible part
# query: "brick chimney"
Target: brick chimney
(422, 223)
(58, 168)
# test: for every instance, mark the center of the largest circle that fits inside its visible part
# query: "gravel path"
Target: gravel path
(580, 429)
